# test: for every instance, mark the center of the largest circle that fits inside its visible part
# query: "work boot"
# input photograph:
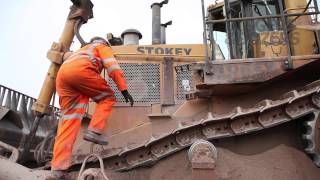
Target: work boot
(58, 175)
(95, 138)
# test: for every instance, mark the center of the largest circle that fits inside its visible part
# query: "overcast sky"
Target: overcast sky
(28, 29)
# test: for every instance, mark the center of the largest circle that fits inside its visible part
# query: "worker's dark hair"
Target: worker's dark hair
(99, 39)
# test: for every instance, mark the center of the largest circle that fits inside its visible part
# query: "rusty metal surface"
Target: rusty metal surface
(20, 104)
(9, 152)
(12, 171)
(278, 162)
(254, 70)
(16, 118)
(168, 83)
(156, 137)
(3, 111)
(312, 136)
(203, 155)
(92, 174)
(240, 121)
(97, 174)
(281, 162)
(270, 156)
(274, 153)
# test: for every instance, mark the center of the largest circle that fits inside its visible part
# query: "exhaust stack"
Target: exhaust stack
(163, 31)
(156, 21)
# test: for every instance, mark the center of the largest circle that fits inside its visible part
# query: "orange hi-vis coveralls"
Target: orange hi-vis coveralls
(78, 80)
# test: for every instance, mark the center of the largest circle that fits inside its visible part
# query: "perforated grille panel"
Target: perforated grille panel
(143, 82)
(180, 77)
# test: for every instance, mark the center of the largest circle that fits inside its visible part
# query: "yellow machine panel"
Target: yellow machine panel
(178, 52)
(302, 41)
(270, 44)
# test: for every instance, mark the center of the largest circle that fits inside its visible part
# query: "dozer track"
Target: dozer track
(240, 121)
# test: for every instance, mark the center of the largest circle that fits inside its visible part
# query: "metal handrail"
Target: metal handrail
(260, 17)
(282, 16)
(205, 33)
(13, 98)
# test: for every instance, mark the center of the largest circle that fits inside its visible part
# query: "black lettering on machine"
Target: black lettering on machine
(149, 50)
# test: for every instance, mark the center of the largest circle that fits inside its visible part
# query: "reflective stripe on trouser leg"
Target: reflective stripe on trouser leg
(101, 114)
(67, 134)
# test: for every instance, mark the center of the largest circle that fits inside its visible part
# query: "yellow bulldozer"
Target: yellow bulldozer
(242, 108)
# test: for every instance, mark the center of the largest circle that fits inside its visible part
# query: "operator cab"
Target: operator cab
(263, 40)
(253, 29)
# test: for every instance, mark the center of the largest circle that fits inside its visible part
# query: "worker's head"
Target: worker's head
(98, 39)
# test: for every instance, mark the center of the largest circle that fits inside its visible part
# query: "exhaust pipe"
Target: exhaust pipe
(156, 21)
(163, 31)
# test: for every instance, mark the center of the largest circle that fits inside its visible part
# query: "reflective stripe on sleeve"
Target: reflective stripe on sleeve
(82, 52)
(113, 67)
(108, 60)
(88, 53)
(76, 58)
(100, 96)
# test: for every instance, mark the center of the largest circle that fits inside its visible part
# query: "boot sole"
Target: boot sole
(90, 139)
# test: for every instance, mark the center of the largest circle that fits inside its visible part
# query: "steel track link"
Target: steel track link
(266, 114)
(312, 137)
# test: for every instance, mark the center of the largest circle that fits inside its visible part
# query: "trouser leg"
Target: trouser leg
(65, 139)
(95, 87)
(70, 86)
(67, 132)
(101, 114)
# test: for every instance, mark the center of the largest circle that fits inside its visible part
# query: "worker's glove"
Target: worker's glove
(127, 97)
